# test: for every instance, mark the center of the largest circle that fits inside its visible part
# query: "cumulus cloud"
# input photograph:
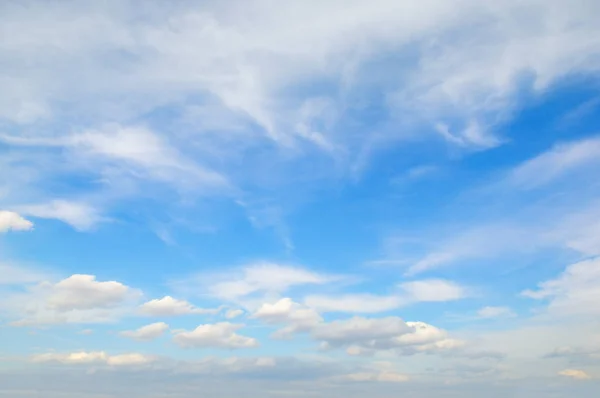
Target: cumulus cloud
(168, 306)
(433, 290)
(94, 357)
(148, 332)
(81, 292)
(218, 335)
(364, 336)
(76, 299)
(575, 374)
(11, 221)
(358, 330)
(298, 318)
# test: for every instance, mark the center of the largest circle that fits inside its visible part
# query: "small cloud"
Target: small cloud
(297, 317)
(473, 136)
(258, 278)
(146, 333)
(168, 306)
(218, 335)
(93, 357)
(86, 332)
(80, 216)
(495, 312)
(575, 374)
(11, 221)
(385, 377)
(233, 313)
(76, 299)
(433, 290)
(414, 173)
(354, 303)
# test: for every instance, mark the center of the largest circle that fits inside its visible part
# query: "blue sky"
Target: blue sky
(281, 198)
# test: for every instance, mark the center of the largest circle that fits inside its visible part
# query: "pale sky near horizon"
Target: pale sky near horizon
(300, 198)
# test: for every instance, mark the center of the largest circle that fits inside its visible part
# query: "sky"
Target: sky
(269, 199)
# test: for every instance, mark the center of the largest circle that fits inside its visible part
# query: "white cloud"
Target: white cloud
(364, 336)
(575, 374)
(262, 277)
(129, 359)
(268, 362)
(233, 313)
(130, 150)
(567, 221)
(555, 163)
(81, 292)
(168, 306)
(433, 290)
(298, 318)
(218, 335)
(575, 292)
(148, 332)
(80, 216)
(361, 331)
(11, 274)
(94, 357)
(354, 303)
(463, 75)
(11, 221)
(76, 299)
(141, 150)
(472, 136)
(495, 312)
(384, 376)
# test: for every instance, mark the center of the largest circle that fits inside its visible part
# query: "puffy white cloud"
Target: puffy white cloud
(433, 290)
(354, 303)
(575, 292)
(495, 312)
(361, 331)
(148, 332)
(298, 318)
(94, 357)
(363, 336)
(218, 335)
(169, 306)
(575, 374)
(81, 292)
(76, 299)
(11, 221)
